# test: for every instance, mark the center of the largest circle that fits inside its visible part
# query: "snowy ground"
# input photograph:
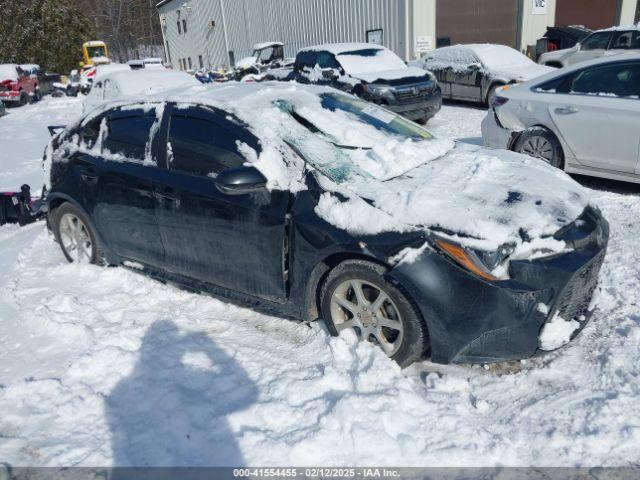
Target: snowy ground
(102, 366)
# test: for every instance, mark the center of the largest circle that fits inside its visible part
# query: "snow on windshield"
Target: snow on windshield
(339, 135)
(369, 60)
(8, 72)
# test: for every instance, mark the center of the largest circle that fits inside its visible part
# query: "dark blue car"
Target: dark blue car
(312, 204)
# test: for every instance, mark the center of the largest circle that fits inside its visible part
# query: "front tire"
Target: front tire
(540, 143)
(355, 296)
(76, 236)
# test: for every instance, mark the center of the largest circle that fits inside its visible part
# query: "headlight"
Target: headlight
(377, 89)
(483, 264)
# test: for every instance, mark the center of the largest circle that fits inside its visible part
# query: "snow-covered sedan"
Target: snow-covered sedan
(310, 203)
(474, 72)
(584, 119)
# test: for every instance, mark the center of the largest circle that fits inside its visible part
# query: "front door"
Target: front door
(233, 241)
(600, 118)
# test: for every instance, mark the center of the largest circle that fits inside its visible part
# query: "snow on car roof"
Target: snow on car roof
(620, 28)
(339, 48)
(260, 46)
(149, 82)
(8, 72)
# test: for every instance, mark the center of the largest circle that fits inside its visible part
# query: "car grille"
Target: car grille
(413, 94)
(576, 297)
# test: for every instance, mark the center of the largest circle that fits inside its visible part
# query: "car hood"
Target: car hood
(522, 74)
(481, 198)
(409, 73)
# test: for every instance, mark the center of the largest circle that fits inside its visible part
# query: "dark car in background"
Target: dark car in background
(319, 219)
(560, 38)
(45, 79)
(373, 73)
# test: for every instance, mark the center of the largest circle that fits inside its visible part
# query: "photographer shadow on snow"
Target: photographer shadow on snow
(172, 409)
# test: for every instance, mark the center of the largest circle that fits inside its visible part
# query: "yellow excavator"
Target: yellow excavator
(94, 53)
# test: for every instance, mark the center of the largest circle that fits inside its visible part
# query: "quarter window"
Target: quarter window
(597, 41)
(200, 144)
(626, 40)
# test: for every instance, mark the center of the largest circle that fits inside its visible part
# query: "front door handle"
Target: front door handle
(566, 110)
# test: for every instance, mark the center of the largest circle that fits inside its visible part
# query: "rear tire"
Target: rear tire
(76, 236)
(540, 143)
(355, 296)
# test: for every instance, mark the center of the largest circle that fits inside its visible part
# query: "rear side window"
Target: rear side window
(305, 59)
(128, 133)
(327, 60)
(622, 80)
(597, 41)
(200, 143)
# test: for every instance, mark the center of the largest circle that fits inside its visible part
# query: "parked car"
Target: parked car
(473, 72)
(45, 79)
(373, 73)
(153, 63)
(610, 41)
(561, 38)
(345, 211)
(17, 87)
(265, 55)
(583, 119)
(136, 64)
(123, 84)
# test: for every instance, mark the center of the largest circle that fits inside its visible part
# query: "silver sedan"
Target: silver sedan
(584, 119)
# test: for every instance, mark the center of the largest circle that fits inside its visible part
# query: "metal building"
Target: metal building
(207, 33)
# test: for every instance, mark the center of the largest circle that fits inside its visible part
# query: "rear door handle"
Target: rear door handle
(566, 110)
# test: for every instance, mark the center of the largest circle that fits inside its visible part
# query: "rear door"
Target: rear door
(120, 170)
(230, 240)
(466, 84)
(598, 115)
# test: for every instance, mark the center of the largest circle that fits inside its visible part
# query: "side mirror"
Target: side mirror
(240, 180)
(475, 66)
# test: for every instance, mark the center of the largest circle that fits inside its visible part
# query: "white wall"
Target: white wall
(628, 12)
(534, 26)
(423, 29)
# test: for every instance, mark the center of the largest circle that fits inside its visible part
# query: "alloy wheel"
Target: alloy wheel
(75, 238)
(368, 310)
(538, 147)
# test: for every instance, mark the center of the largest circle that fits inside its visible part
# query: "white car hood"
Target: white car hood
(395, 74)
(488, 198)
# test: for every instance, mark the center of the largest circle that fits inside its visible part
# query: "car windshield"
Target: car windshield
(95, 52)
(347, 138)
(500, 56)
(368, 60)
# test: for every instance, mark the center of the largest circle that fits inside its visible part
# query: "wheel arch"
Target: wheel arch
(547, 129)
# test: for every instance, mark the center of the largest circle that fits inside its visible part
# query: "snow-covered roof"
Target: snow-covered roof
(619, 28)
(95, 43)
(29, 66)
(149, 82)
(339, 48)
(109, 68)
(8, 72)
(263, 45)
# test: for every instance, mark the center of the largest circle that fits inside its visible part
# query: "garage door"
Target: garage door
(590, 13)
(476, 21)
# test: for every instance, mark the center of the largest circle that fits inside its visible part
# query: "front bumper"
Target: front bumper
(474, 321)
(494, 135)
(418, 108)
(10, 96)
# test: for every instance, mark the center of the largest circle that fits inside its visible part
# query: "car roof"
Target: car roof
(263, 45)
(618, 57)
(340, 48)
(620, 28)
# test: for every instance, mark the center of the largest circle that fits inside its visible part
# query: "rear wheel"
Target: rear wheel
(541, 143)
(356, 297)
(76, 235)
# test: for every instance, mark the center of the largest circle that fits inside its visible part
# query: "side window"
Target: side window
(89, 133)
(201, 144)
(327, 60)
(128, 133)
(622, 80)
(597, 41)
(305, 59)
(626, 40)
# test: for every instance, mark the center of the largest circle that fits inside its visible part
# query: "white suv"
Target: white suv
(600, 43)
